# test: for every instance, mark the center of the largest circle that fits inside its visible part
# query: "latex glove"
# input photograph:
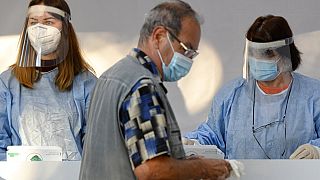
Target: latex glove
(187, 141)
(237, 168)
(306, 151)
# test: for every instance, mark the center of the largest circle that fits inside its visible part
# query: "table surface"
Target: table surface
(254, 169)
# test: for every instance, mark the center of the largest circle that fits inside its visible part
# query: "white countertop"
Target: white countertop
(255, 170)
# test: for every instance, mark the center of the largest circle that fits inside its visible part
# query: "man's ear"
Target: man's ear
(158, 35)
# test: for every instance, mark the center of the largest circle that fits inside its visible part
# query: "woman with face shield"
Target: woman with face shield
(45, 95)
(272, 112)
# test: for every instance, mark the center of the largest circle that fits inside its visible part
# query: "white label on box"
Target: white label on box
(34, 153)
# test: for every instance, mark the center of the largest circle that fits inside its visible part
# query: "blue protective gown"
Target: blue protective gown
(229, 123)
(44, 116)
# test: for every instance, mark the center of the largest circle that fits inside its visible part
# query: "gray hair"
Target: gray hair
(168, 14)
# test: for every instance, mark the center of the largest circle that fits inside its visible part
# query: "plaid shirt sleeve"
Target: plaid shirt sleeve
(144, 124)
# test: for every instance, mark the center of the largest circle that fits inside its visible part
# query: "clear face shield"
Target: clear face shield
(44, 41)
(266, 61)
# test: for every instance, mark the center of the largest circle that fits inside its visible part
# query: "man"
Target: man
(132, 132)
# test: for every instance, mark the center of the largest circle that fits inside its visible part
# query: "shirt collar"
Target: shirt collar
(145, 61)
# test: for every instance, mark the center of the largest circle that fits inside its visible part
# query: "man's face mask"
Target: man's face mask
(44, 39)
(179, 66)
(264, 70)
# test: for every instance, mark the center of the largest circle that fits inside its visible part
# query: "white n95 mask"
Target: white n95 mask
(44, 39)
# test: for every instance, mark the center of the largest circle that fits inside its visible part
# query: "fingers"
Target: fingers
(297, 153)
(304, 154)
(316, 152)
(237, 167)
(306, 151)
(187, 141)
(228, 169)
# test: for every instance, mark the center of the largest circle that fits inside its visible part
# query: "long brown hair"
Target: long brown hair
(72, 65)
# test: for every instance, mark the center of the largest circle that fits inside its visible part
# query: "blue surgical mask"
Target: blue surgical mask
(263, 70)
(179, 66)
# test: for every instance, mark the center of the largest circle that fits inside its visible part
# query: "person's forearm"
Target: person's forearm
(164, 167)
(203, 169)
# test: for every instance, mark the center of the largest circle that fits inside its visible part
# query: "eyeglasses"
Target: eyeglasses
(260, 128)
(190, 53)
